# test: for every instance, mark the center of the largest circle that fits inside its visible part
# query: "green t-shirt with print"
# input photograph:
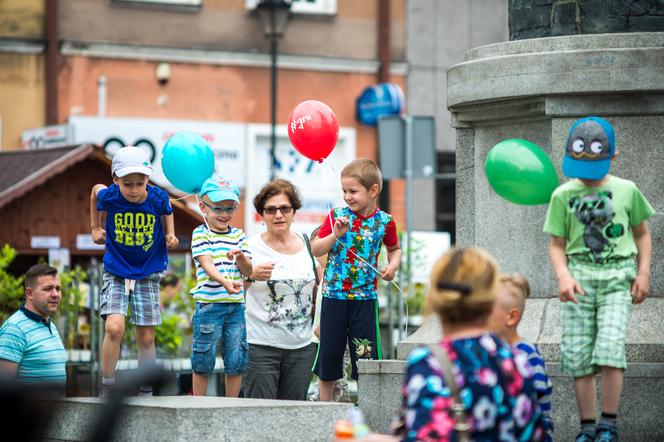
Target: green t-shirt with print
(597, 221)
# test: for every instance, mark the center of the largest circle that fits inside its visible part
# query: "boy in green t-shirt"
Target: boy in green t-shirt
(597, 224)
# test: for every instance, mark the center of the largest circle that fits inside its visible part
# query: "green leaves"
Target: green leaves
(12, 293)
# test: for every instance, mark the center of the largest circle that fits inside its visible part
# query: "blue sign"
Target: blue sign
(377, 101)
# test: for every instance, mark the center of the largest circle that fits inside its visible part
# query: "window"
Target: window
(327, 7)
(177, 4)
(445, 194)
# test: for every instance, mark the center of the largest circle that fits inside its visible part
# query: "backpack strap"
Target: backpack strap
(313, 258)
(461, 425)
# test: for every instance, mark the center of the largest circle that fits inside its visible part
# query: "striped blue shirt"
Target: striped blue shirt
(541, 381)
(33, 343)
(217, 245)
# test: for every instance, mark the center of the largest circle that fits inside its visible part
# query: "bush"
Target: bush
(12, 293)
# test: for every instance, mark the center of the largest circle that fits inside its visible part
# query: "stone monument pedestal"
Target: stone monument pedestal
(535, 89)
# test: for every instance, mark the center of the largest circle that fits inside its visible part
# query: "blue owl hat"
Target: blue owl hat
(589, 149)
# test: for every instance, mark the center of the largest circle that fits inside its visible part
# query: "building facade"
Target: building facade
(204, 62)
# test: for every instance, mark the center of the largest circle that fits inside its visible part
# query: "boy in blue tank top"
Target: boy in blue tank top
(139, 226)
(351, 237)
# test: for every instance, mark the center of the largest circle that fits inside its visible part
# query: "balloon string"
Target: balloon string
(186, 196)
(348, 250)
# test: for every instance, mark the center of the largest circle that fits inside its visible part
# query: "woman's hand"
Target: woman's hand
(262, 272)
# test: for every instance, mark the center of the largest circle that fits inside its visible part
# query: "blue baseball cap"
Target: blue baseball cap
(589, 149)
(220, 189)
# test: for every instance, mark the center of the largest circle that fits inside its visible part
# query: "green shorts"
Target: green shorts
(594, 329)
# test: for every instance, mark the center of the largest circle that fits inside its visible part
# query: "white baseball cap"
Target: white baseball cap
(131, 159)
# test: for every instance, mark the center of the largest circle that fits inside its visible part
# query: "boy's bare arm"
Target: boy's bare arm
(243, 262)
(393, 263)
(568, 287)
(641, 285)
(169, 231)
(8, 368)
(207, 263)
(98, 233)
(322, 246)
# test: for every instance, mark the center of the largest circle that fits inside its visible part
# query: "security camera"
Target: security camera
(163, 73)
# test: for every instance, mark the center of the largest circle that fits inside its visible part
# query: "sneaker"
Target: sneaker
(145, 391)
(105, 392)
(606, 433)
(585, 437)
(340, 392)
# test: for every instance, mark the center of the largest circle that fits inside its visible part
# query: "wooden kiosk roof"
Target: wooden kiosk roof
(47, 193)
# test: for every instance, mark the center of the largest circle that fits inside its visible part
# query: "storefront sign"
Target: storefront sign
(377, 101)
(227, 140)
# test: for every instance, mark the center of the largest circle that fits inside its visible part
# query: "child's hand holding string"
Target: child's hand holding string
(340, 226)
(388, 272)
(232, 287)
(237, 255)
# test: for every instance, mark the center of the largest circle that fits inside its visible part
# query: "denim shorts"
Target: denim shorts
(214, 323)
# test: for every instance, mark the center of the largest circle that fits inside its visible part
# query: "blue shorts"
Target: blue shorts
(215, 322)
(351, 323)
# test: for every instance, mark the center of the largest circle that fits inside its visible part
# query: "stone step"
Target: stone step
(188, 418)
(542, 325)
(639, 417)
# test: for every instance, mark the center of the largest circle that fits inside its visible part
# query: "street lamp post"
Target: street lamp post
(273, 15)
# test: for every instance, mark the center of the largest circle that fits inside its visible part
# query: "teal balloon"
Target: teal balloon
(187, 161)
(521, 172)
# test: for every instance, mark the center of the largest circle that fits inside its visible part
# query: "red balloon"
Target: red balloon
(313, 129)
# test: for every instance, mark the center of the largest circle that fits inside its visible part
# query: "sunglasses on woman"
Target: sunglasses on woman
(272, 210)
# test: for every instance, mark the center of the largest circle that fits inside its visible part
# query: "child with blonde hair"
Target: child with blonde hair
(513, 290)
(352, 237)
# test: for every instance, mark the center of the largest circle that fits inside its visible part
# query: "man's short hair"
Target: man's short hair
(36, 271)
(169, 280)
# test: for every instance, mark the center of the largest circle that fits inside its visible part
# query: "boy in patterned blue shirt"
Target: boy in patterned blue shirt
(352, 237)
(504, 320)
(139, 227)
(222, 256)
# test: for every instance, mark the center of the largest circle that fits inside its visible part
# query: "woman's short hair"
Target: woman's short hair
(366, 171)
(276, 187)
(463, 285)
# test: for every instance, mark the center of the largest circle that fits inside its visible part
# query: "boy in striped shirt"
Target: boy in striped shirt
(222, 257)
(504, 320)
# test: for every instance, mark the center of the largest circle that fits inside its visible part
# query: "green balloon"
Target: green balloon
(521, 172)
